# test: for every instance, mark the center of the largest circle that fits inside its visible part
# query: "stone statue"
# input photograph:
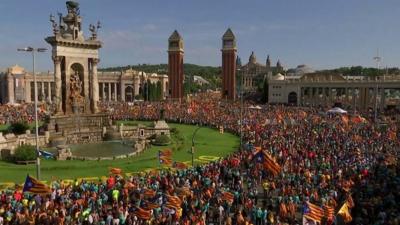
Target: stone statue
(76, 88)
(162, 114)
(54, 25)
(73, 7)
(94, 29)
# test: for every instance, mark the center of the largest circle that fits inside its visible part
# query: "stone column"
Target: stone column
(42, 91)
(122, 87)
(103, 92)
(28, 91)
(354, 98)
(49, 90)
(57, 82)
(382, 93)
(115, 92)
(136, 86)
(10, 88)
(95, 86)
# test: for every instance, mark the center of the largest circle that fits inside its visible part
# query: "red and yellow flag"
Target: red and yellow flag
(271, 164)
(35, 186)
(345, 213)
(142, 213)
(314, 212)
(116, 171)
(227, 196)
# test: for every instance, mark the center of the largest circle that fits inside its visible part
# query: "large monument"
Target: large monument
(228, 65)
(75, 63)
(75, 59)
(175, 66)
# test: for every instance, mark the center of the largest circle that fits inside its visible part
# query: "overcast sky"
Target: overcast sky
(322, 34)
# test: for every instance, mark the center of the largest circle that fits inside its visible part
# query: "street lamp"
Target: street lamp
(192, 149)
(33, 50)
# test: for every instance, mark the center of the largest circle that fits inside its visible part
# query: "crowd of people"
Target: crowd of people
(20, 113)
(325, 159)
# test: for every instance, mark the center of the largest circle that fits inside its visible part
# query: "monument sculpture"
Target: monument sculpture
(73, 54)
(75, 74)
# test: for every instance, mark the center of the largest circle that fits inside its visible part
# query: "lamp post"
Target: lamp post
(192, 149)
(33, 50)
(241, 107)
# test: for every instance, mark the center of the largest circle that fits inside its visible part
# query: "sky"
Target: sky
(321, 34)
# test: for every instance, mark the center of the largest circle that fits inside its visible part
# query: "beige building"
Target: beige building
(330, 89)
(254, 73)
(16, 85)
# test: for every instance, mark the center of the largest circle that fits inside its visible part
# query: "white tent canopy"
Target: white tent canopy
(337, 110)
(255, 107)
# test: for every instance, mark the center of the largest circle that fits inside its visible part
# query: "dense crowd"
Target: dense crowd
(20, 112)
(325, 159)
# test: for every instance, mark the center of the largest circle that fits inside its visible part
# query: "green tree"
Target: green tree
(159, 90)
(25, 153)
(162, 140)
(19, 127)
(265, 91)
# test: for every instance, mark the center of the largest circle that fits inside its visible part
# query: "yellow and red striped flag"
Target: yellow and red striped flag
(174, 202)
(313, 212)
(142, 213)
(329, 212)
(165, 157)
(227, 196)
(180, 165)
(115, 171)
(345, 213)
(149, 193)
(151, 205)
(35, 186)
(271, 164)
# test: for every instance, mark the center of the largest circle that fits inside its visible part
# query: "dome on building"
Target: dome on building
(278, 76)
(303, 69)
(252, 58)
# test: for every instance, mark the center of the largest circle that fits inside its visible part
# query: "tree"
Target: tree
(159, 91)
(25, 153)
(265, 91)
(19, 127)
(162, 140)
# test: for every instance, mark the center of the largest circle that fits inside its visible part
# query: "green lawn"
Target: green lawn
(208, 142)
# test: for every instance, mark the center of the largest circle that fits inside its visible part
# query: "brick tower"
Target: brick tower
(228, 65)
(175, 66)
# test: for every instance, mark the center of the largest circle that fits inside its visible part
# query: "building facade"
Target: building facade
(329, 89)
(16, 85)
(254, 73)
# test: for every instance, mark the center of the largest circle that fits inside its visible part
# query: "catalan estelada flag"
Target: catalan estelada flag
(227, 196)
(165, 160)
(115, 171)
(35, 186)
(150, 205)
(329, 212)
(173, 202)
(180, 165)
(313, 212)
(164, 157)
(165, 153)
(271, 165)
(149, 193)
(142, 213)
(266, 159)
